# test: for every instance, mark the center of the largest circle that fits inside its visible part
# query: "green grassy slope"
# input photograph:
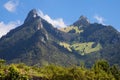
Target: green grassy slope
(82, 48)
(70, 28)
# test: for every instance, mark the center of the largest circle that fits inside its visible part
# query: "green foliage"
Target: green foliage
(66, 45)
(71, 29)
(82, 48)
(14, 74)
(101, 70)
(85, 48)
(115, 72)
(2, 61)
(102, 65)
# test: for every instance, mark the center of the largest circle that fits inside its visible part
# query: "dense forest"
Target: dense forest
(101, 70)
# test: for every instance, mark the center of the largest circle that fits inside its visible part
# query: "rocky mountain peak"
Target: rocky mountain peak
(84, 18)
(32, 15)
(82, 22)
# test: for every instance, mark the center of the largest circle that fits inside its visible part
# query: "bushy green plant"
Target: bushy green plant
(101, 70)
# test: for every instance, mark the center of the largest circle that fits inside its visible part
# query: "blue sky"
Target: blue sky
(63, 12)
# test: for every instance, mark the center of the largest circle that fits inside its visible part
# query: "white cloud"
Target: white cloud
(58, 23)
(100, 19)
(5, 28)
(11, 5)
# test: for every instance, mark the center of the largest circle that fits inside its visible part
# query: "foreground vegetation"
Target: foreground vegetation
(101, 70)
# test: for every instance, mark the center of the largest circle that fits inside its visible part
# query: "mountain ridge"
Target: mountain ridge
(37, 42)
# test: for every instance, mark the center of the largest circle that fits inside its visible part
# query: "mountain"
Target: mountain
(82, 22)
(37, 42)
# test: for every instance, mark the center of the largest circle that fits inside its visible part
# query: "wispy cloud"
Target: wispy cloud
(5, 28)
(99, 19)
(11, 5)
(58, 23)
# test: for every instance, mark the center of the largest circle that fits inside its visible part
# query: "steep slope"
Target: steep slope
(35, 42)
(105, 41)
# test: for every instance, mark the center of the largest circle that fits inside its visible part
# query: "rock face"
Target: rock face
(37, 42)
(82, 22)
(32, 15)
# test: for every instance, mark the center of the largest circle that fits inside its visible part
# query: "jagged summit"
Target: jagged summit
(33, 11)
(82, 22)
(31, 16)
(84, 18)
